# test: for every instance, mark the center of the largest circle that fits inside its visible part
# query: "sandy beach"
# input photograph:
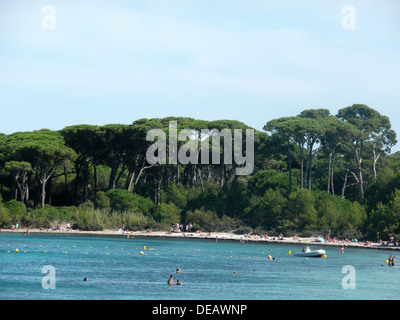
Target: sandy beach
(215, 236)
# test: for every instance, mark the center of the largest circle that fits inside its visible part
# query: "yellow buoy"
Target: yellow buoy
(144, 247)
(386, 261)
(16, 250)
(290, 252)
(324, 256)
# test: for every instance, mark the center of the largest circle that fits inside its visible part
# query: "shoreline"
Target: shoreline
(216, 236)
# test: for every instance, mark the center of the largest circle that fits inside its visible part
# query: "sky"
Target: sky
(99, 62)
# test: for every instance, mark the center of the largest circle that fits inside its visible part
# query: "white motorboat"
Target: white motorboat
(307, 252)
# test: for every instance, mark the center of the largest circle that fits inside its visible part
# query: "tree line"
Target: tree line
(313, 172)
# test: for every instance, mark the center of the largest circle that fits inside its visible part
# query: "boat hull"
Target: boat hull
(313, 254)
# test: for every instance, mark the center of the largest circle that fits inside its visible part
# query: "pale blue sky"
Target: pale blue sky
(118, 61)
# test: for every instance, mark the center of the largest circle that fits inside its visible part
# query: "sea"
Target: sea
(54, 266)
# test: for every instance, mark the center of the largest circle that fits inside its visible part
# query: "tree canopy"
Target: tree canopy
(312, 172)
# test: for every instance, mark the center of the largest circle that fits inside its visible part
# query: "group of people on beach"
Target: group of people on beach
(58, 228)
(264, 236)
(175, 227)
(393, 242)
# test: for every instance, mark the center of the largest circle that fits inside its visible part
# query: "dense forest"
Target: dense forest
(314, 173)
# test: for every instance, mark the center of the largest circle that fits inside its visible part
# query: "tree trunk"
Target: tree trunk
(23, 187)
(329, 172)
(65, 181)
(201, 179)
(95, 177)
(76, 185)
(131, 177)
(344, 184)
(290, 166)
(360, 175)
(375, 160)
(85, 178)
(45, 176)
(333, 188)
(301, 166)
(44, 181)
(113, 174)
(177, 174)
(222, 175)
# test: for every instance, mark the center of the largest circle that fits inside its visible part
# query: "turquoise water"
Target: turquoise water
(116, 270)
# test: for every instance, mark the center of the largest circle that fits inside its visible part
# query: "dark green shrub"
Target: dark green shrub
(101, 201)
(122, 200)
(16, 208)
(87, 227)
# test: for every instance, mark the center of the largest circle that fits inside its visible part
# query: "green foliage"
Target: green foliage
(314, 172)
(177, 196)
(269, 179)
(16, 208)
(201, 220)
(266, 211)
(90, 219)
(357, 216)
(300, 211)
(385, 218)
(102, 201)
(146, 205)
(167, 213)
(5, 219)
(122, 200)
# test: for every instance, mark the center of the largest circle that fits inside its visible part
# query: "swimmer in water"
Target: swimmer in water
(179, 283)
(178, 270)
(171, 280)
